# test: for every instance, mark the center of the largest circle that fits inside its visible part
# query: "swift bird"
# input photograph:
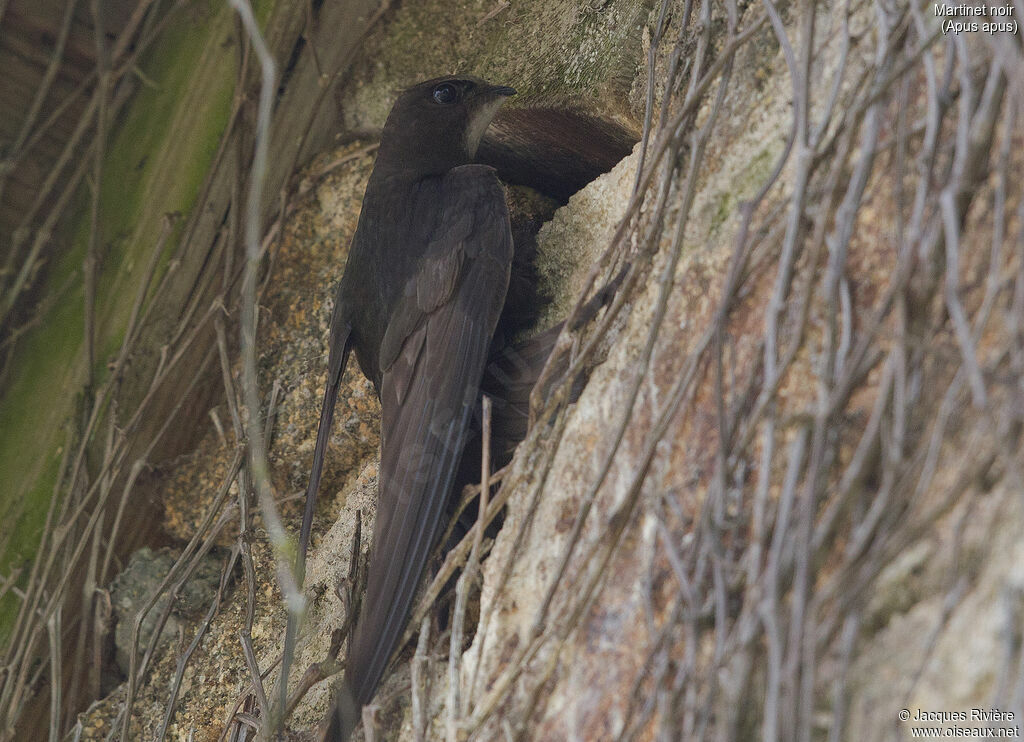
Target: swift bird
(422, 291)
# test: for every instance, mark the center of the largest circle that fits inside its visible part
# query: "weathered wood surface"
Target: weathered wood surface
(182, 146)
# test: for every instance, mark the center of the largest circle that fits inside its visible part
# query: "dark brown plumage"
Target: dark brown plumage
(419, 301)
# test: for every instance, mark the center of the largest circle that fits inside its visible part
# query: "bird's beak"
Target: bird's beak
(502, 90)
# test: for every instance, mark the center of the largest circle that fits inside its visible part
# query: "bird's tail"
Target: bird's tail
(344, 714)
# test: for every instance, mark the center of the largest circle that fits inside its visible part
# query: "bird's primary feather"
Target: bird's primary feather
(423, 288)
(428, 392)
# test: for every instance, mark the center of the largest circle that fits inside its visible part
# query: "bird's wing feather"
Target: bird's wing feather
(432, 359)
(434, 281)
(340, 345)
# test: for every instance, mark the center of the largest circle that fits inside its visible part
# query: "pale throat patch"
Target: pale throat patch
(479, 123)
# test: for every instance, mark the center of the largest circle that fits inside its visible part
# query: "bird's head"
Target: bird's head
(437, 125)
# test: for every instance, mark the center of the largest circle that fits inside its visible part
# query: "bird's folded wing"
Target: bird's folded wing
(432, 358)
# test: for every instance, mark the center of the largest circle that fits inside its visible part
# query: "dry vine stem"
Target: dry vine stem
(807, 496)
(89, 507)
(858, 384)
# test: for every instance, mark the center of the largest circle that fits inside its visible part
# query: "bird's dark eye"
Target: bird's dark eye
(446, 93)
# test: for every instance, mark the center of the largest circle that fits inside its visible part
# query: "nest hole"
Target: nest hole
(554, 151)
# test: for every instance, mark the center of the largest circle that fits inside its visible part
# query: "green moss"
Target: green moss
(752, 178)
(33, 411)
(724, 208)
(758, 170)
(156, 161)
(160, 157)
(25, 537)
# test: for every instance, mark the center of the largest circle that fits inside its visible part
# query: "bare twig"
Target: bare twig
(420, 691)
